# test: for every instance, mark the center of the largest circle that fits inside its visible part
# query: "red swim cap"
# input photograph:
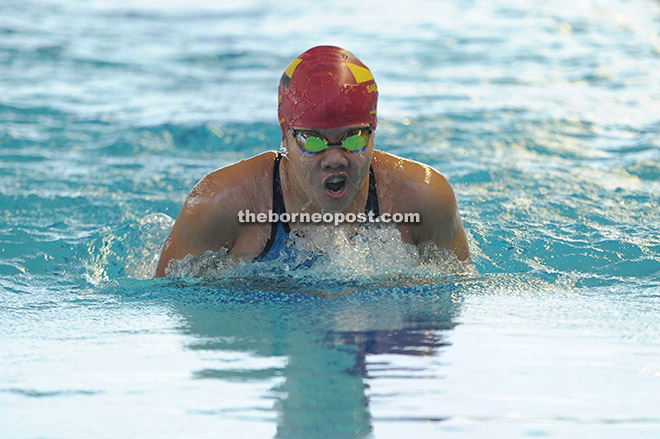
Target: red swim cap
(326, 87)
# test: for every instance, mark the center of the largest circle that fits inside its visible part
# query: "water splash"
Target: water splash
(131, 250)
(327, 254)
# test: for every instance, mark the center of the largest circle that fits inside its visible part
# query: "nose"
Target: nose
(334, 157)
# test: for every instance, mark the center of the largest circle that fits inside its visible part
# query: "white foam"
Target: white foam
(330, 253)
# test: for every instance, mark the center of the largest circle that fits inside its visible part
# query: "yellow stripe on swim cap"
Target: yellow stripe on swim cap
(360, 73)
(289, 70)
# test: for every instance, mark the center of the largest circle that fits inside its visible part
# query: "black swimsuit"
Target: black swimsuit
(279, 232)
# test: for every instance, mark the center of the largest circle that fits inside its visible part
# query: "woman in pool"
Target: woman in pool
(327, 112)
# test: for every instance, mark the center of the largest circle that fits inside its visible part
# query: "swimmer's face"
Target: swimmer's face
(331, 178)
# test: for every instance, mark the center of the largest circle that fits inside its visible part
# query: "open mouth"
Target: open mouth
(335, 187)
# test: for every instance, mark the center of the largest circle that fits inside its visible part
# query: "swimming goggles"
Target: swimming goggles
(311, 142)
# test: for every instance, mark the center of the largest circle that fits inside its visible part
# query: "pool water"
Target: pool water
(545, 118)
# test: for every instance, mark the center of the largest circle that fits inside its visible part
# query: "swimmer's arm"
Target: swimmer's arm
(440, 220)
(456, 241)
(207, 221)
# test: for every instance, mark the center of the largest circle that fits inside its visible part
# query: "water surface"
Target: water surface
(544, 118)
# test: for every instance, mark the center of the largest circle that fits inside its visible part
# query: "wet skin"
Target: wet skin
(333, 180)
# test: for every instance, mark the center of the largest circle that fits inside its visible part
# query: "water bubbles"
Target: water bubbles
(209, 264)
(325, 255)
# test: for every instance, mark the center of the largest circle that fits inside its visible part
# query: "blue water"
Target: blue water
(545, 118)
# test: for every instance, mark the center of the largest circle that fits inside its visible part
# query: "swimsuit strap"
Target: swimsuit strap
(278, 206)
(278, 197)
(372, 198)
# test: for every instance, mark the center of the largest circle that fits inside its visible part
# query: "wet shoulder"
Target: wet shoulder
(246, 184)
(407, 185)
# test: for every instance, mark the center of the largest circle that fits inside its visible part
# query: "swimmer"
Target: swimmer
(327, 113)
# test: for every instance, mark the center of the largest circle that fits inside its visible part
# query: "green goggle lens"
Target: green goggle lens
(311, 142)
(354, 143)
